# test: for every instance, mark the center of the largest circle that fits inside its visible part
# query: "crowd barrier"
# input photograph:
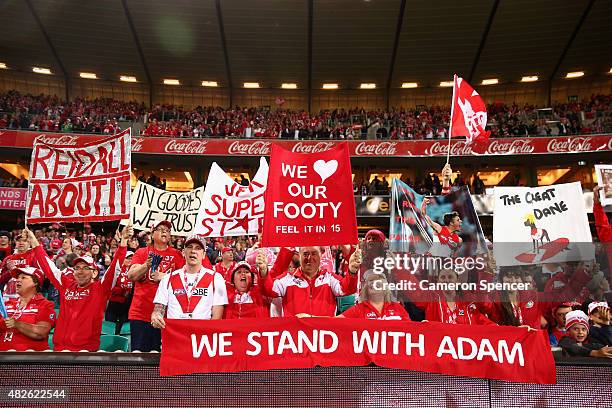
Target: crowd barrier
(132, 380)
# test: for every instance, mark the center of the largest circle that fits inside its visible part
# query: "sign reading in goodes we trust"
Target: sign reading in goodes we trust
(90, 182)
(309, 199)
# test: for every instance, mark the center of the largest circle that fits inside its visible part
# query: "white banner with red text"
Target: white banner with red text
(78, 184)
(501, 352)
(230, 209)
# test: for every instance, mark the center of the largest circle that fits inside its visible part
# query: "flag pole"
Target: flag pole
(450, 126)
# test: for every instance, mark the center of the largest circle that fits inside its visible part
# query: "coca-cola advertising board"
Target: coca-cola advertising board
(357, 148)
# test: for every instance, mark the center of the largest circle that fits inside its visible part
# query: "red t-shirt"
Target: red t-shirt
(145, 289)
(81, 308)
(225, 272)
(123, 287)
(37, 310)
(365, 310)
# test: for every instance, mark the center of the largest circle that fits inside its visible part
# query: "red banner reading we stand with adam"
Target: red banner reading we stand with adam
(503, 353)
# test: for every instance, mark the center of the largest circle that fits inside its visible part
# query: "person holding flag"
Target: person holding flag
(83, 296)
(468, 117)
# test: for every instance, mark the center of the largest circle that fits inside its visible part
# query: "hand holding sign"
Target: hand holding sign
(355, 261)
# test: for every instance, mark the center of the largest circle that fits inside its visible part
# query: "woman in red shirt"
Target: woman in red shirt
(375, 301)
(30, 316)
(244, 298)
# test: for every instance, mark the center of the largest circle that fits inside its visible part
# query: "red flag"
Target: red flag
(309, 199)
(469, 116)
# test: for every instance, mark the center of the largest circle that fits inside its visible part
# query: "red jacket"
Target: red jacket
(245, 305)
(312, 296)
(81, 308)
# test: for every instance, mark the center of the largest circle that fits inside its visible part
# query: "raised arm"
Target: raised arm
(51, 271)
(110, 277)
(436, 227)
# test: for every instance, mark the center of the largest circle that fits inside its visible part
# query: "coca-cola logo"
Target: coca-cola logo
(257, 148)
(63, 140)
(516, 146)
(317, 147)
(572, 144)
(137, 145)
(441, 148)
(186, 146)
(377, 149)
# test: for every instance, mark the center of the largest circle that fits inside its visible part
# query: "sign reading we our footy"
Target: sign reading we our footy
(309, 199)
(541, 225)
(76, 184)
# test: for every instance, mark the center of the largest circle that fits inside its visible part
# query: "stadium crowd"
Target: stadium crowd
(149, 276)
(49, 113)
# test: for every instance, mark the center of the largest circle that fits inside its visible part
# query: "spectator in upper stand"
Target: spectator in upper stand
(576, 342)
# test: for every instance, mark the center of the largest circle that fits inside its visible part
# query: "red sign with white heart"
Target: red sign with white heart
(309, 199)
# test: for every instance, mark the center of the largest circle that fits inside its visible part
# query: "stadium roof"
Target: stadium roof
(349, 42)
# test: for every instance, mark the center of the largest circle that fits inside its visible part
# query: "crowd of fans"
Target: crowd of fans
(49, 113)
(127, 276)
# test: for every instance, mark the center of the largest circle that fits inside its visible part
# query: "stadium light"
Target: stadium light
(127, 78)
(3, 65)
(609, 72)
(39, 70)
(210, 83)
(491, 81)
(367, 86)
(410, 85)
(330, 86)
(576, 74)
(251, 85)
(447, 83)
(530, 78)
(289, 86)
(88, 75)
(171, 82)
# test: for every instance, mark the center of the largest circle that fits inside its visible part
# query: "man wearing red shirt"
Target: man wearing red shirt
(5, 246)
(121, 296)
(30, 316)
(23, 257)
(310, 290)
(602, 225)
(83, 297)
(144, 336)
(227, 264)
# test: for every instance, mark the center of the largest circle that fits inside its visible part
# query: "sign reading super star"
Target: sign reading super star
(230, 209)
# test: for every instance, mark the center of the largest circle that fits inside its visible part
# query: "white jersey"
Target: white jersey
(191, 295)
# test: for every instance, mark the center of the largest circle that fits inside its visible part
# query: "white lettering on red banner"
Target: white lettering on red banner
(186, 146)
(309, 200)
(257, 148)
(500, 352)
(13, 198)
(376, 149)
(87, 183)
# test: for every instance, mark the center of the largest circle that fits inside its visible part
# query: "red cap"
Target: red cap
(226, 249)
(28, 270)
(162, 222)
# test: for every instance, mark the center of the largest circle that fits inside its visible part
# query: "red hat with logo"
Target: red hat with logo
(160, 223)
(28, 270)
(576, 317)
(226, 249)
(56, 243)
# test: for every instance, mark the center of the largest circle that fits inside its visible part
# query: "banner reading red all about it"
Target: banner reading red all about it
(357, 148)
(501, 353)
